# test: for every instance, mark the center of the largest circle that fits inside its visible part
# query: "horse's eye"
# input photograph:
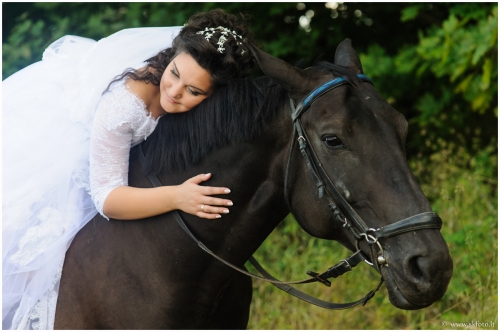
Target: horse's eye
(333, 142)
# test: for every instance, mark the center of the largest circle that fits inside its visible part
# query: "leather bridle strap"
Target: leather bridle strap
(320, 91)
(360, 231)
(425, 220)
(335, 271)
(344, 211)
(419, 221)
(312, 300)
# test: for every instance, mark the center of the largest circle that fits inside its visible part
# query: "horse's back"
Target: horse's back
(124, 275)
(103, 279)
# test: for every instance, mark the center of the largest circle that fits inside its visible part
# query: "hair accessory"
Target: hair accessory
(209, 32)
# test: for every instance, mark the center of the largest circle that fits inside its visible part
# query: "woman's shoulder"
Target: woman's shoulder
(123, 103)
(139, 89)
(119, 105)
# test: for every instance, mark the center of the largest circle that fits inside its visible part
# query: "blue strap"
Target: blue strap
(319, 91)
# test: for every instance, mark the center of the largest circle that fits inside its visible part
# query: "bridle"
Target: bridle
(341, 209)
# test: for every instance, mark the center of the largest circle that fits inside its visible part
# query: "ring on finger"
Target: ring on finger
(202, 207)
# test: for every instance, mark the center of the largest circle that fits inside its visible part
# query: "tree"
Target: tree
(436, 63)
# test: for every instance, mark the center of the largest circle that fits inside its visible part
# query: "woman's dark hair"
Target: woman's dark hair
(235, 61)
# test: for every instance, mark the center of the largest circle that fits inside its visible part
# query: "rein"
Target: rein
(345, 214)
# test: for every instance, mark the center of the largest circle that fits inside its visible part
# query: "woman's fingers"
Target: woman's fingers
(214, 209)
(214, 201)
(211, 212)
(199, 178)
(205, 190)
(199, 200)
(207, 215)
(215, 190)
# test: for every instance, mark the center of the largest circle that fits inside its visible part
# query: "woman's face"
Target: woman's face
(184, 84)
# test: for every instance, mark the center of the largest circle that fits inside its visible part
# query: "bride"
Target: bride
(69, 122)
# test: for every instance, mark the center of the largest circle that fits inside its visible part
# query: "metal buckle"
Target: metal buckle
(371, 240)
(358, 248)
(348, 265)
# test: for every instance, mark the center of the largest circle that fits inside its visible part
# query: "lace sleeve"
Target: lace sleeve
(110, 142)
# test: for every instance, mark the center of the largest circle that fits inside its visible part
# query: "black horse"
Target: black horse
(149, 274)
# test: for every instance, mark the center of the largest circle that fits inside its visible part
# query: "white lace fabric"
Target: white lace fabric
(64, 146)
(121, 121)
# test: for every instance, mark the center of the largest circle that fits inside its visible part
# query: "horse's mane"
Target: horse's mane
(233, 114)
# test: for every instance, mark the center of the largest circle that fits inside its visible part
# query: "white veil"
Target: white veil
(47, 111)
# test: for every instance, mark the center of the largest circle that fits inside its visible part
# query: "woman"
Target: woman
(66, 143)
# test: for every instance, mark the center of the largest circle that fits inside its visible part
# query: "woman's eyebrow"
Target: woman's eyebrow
(192, 86)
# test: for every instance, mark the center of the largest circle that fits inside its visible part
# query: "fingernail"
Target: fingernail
(218, 216)
(225, 211)
(230, 203)
(227, 191)
(208, 174)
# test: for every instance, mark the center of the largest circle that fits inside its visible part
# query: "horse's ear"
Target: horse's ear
(283, 73)
(346, 56)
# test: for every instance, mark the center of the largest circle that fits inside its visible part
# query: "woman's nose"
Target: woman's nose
(176, 90)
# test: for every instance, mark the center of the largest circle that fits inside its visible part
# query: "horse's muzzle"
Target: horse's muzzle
(419, 276)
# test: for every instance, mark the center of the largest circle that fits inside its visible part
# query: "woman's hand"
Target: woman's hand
(129, 203)
(195, 199)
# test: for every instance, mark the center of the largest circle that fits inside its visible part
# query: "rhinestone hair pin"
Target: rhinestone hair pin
(209, 32)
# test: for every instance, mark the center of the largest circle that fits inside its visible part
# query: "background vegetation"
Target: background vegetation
(434, 62)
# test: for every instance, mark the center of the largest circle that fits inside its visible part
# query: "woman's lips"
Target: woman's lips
(171, 100)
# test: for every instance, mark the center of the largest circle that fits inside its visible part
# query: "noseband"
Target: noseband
(343, 212)
(341, 209)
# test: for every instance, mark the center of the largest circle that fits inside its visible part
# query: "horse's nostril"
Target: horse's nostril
(419, 272)
(418, 269)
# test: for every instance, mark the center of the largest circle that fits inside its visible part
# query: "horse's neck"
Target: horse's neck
(254, 172)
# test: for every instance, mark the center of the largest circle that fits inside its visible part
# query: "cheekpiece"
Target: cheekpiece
(209, 32)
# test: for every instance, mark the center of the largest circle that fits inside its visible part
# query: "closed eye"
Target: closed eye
(194, 93)
(333, 142)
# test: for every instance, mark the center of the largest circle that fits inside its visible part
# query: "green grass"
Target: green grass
(463, 191)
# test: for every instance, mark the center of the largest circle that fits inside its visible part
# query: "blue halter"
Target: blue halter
(319, 91)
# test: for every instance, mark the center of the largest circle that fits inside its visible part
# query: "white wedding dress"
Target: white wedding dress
(65, 146)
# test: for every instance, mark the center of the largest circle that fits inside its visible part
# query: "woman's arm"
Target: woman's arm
(110, 142)
(136, 203)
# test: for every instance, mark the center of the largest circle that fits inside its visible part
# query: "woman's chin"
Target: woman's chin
(168, 107)
(171, 108)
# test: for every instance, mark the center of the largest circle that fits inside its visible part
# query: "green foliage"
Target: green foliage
(436, 63)
(410, 12)
(455, 73)
(464, 53)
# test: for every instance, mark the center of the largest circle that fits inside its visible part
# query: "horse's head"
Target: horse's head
(358, 144)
